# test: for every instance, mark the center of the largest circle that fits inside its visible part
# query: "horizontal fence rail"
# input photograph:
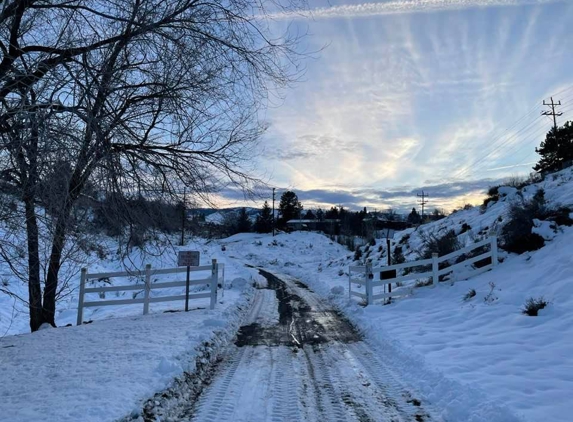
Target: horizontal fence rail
(363, 275)
(217, 275)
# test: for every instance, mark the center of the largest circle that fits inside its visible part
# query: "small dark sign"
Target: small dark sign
(387, 275)
(188, 259)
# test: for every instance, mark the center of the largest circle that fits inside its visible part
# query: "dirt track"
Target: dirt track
(297, 359)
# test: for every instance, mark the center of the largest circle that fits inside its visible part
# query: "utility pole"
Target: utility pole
(274, 211)
(552, 105)
(423, 202)
(183, 216)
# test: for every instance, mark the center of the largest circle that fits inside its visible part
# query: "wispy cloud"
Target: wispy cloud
(402, 7)
(405, 102)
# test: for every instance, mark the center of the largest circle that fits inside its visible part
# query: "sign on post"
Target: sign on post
(388, 233)
(188, 259)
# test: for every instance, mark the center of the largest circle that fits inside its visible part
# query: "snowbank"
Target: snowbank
(106, 370)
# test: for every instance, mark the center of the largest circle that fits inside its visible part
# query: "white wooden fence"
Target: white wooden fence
(364, 275)
(211, 281)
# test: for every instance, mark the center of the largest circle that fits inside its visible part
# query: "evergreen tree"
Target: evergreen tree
(309, 215)
(289, 208)
(264, 223)
(414, 217)
(556, 149)
(332, 214)
(320, 214)
(243, 222)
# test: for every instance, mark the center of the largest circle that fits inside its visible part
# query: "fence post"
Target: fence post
(493, 240)
(435, 269)
(223, 282)
(214, 281)
(147, 289)
(369, 279)
(81, 300)
(349, 283)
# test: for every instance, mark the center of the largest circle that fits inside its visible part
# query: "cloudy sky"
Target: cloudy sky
(443, 96)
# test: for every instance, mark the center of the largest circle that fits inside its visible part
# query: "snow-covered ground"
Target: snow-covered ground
(105, 370)
(472, 360)
(499, 355)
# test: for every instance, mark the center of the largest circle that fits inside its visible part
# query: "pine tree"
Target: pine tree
(332, 214)
(243, 222)
(309, 215)
(556, 149)
(289, 208)
(264, 222)
(414, 217)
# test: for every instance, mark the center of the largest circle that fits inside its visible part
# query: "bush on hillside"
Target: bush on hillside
(404, 239)
(518, 182)
(471, 293)
(516, 235)
(561, 216)
(358, 254)
(465, 228)
(492, 196)
(441, 245)
(398, 256)
(532, 306)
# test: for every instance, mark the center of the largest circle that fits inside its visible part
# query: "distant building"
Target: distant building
(328, 225)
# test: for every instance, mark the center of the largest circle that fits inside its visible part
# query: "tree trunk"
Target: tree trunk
(58, 242)
(34, 288)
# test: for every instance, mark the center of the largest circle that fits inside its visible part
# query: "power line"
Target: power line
(474, 166)
(532, 133)
(501, 140)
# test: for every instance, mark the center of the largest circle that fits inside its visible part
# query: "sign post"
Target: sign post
(389, 274)
(187, 259)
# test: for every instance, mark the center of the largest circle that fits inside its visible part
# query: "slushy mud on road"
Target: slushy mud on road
(299, 324)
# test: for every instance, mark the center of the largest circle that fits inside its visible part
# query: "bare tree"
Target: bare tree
(137, 97)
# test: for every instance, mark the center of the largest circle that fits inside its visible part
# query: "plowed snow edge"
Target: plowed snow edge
(203, 363)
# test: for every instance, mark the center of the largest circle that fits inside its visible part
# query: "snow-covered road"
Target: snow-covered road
(298, 359)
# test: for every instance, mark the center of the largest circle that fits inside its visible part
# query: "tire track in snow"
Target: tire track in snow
(215, 406)
(329, 405)
(284, 387)
(397, 396)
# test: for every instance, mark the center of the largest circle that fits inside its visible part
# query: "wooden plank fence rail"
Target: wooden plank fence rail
(211, 281)
(363, 275)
